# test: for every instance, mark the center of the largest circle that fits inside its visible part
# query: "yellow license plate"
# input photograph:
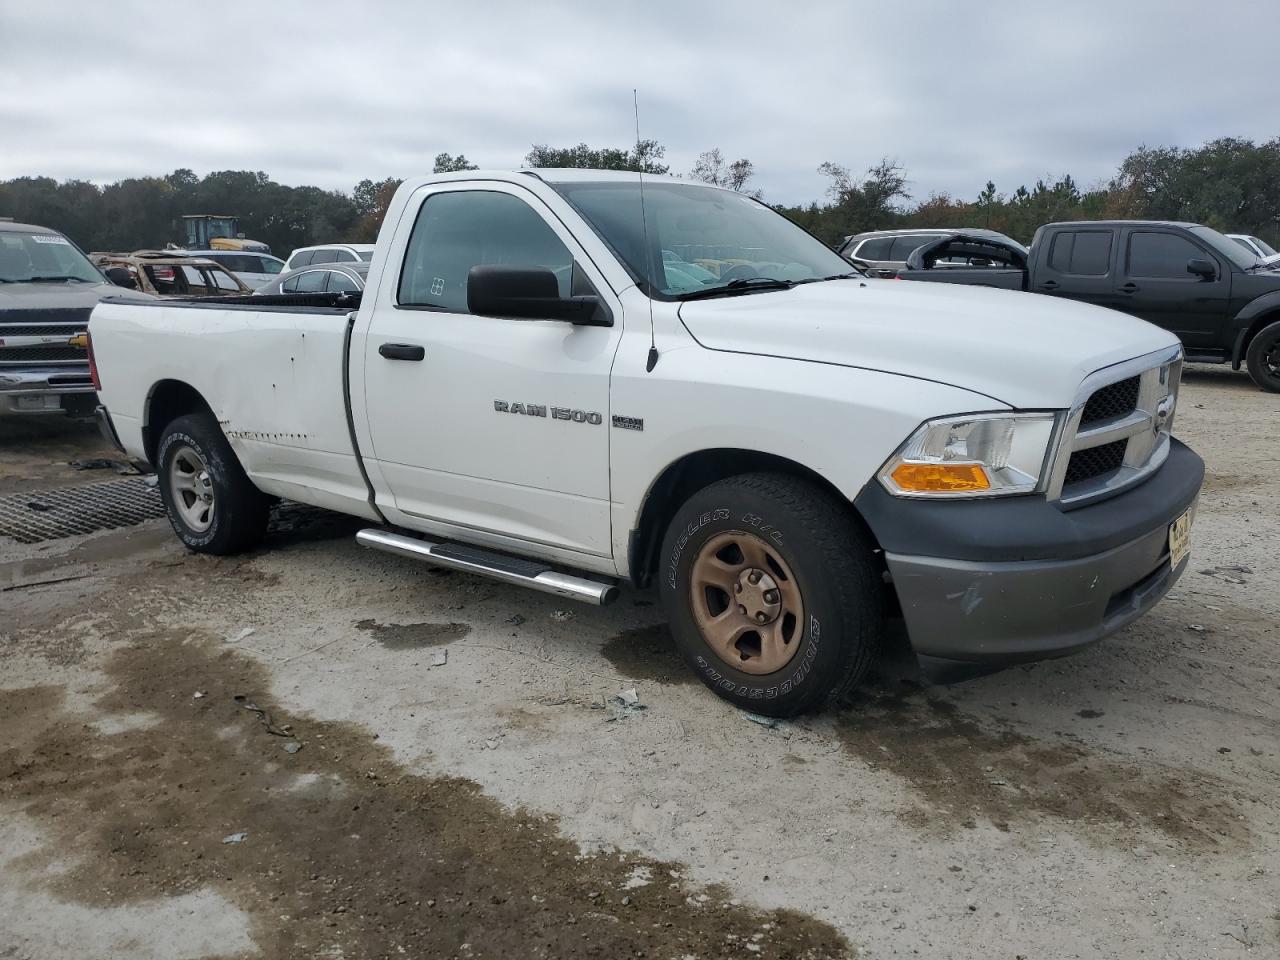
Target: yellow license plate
(1179, 539)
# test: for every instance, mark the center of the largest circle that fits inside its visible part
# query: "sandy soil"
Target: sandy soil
(399, 761)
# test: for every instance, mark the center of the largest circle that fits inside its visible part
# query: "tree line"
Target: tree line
(1231, 184)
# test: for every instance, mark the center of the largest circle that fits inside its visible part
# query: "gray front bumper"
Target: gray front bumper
(41, 382)
(1000, 613)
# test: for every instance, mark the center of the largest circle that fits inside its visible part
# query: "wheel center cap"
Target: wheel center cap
(204, 483)
(758, 596)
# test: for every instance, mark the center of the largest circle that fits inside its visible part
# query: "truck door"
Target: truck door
(495, 426)
(1154, 284)
(1077, 264)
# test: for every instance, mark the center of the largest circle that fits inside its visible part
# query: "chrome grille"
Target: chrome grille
(1094, 462)
(43, 342)
(1117, 432)
(1113, 400)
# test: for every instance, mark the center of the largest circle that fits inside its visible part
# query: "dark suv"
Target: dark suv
(1218, 297)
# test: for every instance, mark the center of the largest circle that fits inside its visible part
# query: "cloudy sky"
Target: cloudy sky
(328, 93)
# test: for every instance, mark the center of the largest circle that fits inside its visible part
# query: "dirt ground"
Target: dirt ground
(317, 751)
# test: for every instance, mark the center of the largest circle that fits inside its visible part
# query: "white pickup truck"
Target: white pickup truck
(566, 379)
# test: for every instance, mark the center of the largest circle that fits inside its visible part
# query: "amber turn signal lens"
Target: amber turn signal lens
(940, 477)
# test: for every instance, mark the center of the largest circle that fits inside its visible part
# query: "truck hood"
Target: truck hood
(1022, 349)
(52, 296)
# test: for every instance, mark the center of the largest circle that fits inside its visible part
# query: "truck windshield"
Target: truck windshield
(701, 239)
(43, 258)
(1238, 255)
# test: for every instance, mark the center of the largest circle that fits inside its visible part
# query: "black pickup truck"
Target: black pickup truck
(1214, 294)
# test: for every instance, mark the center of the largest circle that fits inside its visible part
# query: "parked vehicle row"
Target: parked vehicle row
(531, 389)
(161, 274)
(1216, 295)
(48, 286)
(882, 253)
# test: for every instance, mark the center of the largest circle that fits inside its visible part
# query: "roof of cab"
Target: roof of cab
(1123, 223)
(552, 175)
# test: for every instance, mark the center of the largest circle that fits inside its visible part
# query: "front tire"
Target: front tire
(772, 593)
(1263, 358)
(212, 505)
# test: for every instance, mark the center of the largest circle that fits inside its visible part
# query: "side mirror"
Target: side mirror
(1204, 269)
(529, 293)
(121, 277)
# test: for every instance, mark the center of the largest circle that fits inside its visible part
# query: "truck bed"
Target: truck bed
(271, 368)
(303, 302)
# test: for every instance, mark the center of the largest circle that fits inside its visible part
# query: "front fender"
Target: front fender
(1244, 322)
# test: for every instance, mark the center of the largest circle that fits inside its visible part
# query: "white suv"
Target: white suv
(330, 253)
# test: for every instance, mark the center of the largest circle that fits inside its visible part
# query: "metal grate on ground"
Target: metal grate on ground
(66, 512)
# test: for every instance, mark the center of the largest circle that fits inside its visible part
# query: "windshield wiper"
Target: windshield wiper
(835, 276)
(55, 279)
(740, 285)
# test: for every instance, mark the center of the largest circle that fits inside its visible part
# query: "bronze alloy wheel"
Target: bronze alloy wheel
(746, 603)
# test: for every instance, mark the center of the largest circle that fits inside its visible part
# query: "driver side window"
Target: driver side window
(458, 230)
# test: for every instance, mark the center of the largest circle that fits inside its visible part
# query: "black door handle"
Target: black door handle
(1129, 287)
(402, 351)
(1049, 285)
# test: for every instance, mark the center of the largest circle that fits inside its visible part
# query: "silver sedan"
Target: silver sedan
(320, 278)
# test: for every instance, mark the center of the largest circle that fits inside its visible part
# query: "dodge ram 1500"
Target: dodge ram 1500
(568, 378)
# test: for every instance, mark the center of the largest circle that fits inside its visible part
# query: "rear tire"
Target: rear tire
(1263, 358)
(772, 593)
(212, 505)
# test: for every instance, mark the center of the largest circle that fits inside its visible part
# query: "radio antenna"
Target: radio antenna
(644, 227)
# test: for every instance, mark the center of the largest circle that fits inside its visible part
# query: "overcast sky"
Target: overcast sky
(329, 93)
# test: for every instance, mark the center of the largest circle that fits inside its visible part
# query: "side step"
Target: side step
(458, 556)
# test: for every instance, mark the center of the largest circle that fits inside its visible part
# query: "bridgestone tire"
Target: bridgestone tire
(238, 520)
(818, 540)
(1265, 343)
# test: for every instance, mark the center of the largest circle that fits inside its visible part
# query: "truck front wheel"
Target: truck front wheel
(772, 592)
(1263, 358)
(212, 505)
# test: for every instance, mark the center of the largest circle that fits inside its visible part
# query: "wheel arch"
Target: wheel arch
(1251, 320)
(683, 477)
(166, 401)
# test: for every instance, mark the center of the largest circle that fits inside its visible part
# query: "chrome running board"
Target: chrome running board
(534, 574)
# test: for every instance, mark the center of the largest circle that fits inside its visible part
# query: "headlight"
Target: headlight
(981, 455)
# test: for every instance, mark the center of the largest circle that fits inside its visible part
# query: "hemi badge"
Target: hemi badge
(628, 423)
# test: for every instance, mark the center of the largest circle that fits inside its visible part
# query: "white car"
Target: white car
(330, 253)
(534, 389)
(254, 269)
(1264, 251)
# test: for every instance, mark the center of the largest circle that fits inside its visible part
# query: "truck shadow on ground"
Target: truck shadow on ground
(967, 769)
(313, 831)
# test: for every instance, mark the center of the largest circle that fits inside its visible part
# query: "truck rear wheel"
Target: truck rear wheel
(1263, 358)
(772, 593)
(212, 505)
